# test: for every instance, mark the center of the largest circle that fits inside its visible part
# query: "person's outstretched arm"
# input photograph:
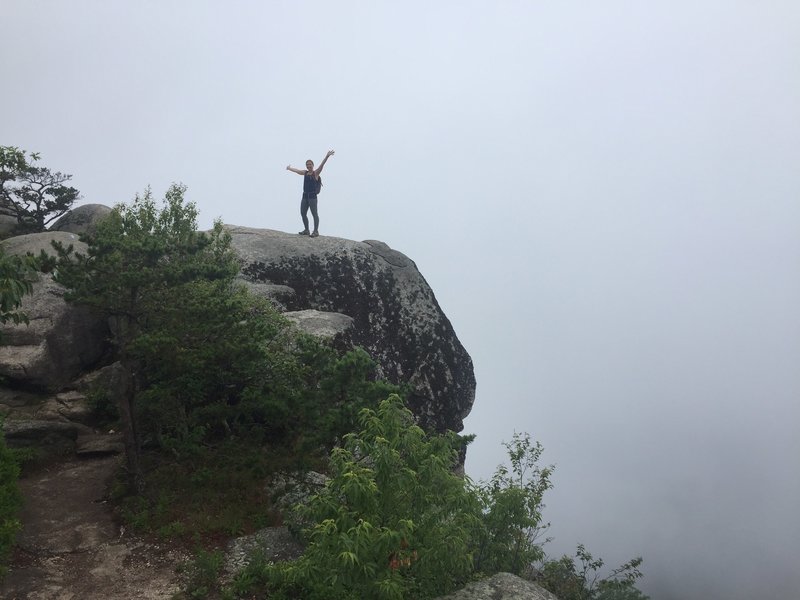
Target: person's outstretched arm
(322, 164)
(293, 170)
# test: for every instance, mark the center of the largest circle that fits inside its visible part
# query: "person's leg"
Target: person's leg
(312, 203)
(304, 214)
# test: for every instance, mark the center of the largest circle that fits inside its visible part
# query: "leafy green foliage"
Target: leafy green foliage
(512, 516)
(394, 520)
(10, 501)
(578, 578)
(32, 194)
(16, 280)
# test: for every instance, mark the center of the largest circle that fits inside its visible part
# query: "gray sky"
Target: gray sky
(604, 196)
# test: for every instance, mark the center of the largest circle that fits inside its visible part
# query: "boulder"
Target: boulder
(289, 489)
(396, 317)
(280, 296)
(327, 325)
(34, 243)
(99, 444)
(67, 406)
(82, 219)
(60, 341)
(502, 586)
(106, 380)
(51, 437)
(22, 401)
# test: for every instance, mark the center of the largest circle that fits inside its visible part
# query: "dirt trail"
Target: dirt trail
(70, 547)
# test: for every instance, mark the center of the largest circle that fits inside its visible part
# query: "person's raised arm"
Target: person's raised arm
(322, 164)
(293, 170)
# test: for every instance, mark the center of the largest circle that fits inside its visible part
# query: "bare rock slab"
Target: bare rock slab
(396, 317)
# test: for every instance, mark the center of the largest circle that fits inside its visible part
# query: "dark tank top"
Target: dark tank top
(309, 185)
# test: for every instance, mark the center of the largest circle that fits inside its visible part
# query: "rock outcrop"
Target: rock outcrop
(333, 326)
(354, 293)
(61, 340)
(81, 219)
(502, 586)
(59, 343)
(395, 315)
(34, 243)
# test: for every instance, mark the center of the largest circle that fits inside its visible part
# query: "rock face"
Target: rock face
(81, 219)
(395, 315)
(61, 339)
(59, 343)
(503, 586)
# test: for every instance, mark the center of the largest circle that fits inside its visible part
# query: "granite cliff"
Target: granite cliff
(354, 293)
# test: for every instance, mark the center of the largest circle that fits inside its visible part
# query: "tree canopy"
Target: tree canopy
(32, 194)
(137, 256)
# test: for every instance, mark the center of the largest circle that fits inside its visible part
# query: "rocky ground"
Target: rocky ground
(71, 547)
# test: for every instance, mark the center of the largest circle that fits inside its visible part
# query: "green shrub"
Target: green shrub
(578, 578)
(393, 522)
(10, 502)
(512, 505)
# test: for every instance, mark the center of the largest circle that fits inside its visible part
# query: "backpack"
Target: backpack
(319, 185)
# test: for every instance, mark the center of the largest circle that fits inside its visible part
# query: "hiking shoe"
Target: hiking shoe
(315, 234)
(304, 232)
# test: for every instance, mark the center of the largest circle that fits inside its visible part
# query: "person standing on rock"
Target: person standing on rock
(311, 187)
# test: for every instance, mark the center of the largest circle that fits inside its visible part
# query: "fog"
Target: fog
(604, 196)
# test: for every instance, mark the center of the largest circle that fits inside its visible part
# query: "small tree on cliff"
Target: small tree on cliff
(578, 578)
(136, 255)
(32, 194)
(15, 282)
